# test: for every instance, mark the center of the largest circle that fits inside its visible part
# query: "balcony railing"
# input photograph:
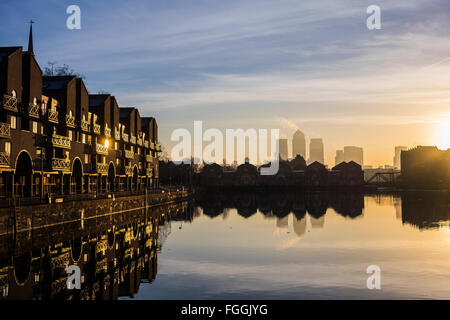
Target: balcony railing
(5, 130)
(125, 137)
(52, 116)
(70, 121)
(97, 128)
(102, 168)
(101, 149)
(139, 141)
(107, 132)
(60, 164)
(148, 158)
(33, 110)
(117, 134)
(4, 158)
(129, 154)
(129, 171)
(146, 143)
(133, 139)
(60, 141)
(84, 125)
(9, 103)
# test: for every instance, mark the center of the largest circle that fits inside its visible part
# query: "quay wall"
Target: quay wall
(16, 219)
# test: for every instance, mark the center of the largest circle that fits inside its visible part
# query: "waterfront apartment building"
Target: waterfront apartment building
(56, 139)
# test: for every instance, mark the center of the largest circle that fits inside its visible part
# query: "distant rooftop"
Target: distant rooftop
(125, 112)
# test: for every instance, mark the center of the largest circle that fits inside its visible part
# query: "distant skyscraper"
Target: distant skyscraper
(355, 154)
(316, 151)
(298, 144)
(339, 157)
(398, 151)
(283, 145)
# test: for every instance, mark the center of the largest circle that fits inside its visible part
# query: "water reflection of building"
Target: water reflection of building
(425, 210)
(114, 254)
(280, 205)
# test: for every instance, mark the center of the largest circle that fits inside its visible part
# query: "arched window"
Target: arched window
(14, 94)
(35, 101)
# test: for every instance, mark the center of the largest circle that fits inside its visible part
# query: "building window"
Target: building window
(116, 146)
(14, 94)
(67, 154)
(13, 122)
(83, 138)
(8, 147)
(70, 135)
(86, 158)
(117, 162)
(35, 127)
(42, 129)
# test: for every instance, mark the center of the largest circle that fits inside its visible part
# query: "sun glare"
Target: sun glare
(442, 135)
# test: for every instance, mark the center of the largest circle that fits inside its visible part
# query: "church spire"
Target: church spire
(30, 38)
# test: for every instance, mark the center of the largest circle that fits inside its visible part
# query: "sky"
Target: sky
(312, 65)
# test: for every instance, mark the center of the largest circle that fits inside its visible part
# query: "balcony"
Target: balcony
(4, 159)
(139, 141)
(107, 132)
(33, 110)
(97, 128)
(60, 141)
(146, 143)
(133, 139)
(61, 164)
(9, 103)
(148, 158)
(101, 149)
(125, 137)
(102, 168)
(117, 134)
(129, 154)
(70, 121)
(84, 125)
(52, 116)
(5, 130)
(129, 171)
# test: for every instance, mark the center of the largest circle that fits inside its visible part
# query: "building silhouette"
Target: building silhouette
(425, 166)
(316, 151)
(283, 148)
(339, 157)
(397, 156)
(355, 154)
(298, 144)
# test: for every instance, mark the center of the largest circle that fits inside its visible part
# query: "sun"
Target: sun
(442, 134)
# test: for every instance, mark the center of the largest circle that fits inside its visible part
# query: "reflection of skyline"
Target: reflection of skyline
(423, 210)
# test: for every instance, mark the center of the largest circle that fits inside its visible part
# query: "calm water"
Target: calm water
(305, 246)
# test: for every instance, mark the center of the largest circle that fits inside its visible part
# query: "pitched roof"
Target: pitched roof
(7, 51)
(125, 112)
(56, 82)
(97, 100)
